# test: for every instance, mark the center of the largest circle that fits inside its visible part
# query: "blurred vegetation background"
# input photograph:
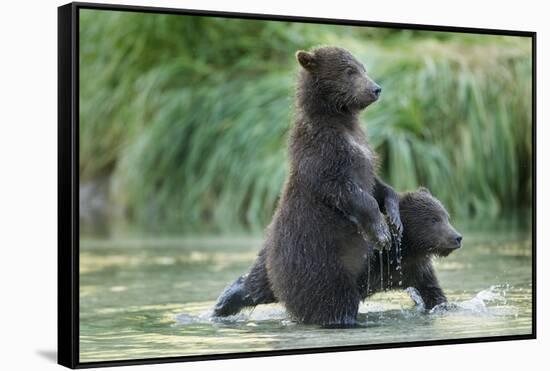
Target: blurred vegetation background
(184, 120)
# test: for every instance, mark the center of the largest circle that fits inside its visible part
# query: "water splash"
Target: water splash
(415, 296)
(491, 301)
(247, 317)
(191, 319)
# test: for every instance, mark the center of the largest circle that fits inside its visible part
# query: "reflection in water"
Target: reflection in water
(143, 299)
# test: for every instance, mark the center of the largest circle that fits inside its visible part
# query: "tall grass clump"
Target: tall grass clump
(188, 116)
(456, 117)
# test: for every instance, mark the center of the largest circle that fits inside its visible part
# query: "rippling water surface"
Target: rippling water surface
(152, 298)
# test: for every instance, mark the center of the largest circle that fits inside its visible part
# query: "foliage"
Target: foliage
(189, 115)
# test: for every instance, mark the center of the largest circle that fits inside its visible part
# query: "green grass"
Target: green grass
(189, 116)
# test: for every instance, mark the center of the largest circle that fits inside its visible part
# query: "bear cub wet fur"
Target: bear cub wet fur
(329, 216)
(427, 232)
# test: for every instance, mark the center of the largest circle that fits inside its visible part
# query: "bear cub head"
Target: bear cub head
(335, 77)
(427, 230)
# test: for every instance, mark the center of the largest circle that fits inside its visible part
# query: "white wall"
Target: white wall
(28, 61)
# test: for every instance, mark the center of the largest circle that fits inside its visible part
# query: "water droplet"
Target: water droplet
(389, 268)
(381, 269)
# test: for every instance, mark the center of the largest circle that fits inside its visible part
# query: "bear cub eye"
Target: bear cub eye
(351, 70)
(434, 220)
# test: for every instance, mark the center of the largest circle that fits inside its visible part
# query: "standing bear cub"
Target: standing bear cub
(328, 217)
(426, 233)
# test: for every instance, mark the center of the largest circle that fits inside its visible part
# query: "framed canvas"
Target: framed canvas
(242, 185)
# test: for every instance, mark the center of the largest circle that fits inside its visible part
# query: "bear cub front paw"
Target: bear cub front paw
(379, 234)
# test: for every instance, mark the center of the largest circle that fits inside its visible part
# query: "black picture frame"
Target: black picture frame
(68, 181)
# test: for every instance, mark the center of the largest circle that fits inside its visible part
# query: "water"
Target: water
(144, 299)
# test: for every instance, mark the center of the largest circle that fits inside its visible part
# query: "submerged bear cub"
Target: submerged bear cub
(328, 216)
(426, 233)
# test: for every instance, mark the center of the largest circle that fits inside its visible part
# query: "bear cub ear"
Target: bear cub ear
(425, 190)
(306, 59)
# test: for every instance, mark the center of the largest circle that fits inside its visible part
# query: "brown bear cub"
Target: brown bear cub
(328, 217)
(426, 233)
